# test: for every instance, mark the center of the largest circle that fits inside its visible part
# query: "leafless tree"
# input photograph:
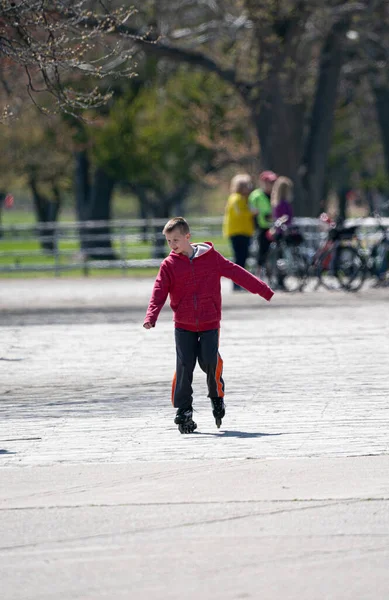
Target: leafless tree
(50, 46)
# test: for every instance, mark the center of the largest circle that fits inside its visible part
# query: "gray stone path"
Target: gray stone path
(101, 497)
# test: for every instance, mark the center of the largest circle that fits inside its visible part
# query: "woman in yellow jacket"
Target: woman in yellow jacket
(238, 223)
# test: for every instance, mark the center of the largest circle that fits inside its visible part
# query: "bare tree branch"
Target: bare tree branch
(50, 41)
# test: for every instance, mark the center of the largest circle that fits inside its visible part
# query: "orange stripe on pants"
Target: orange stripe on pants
(219, 371)
(174, 382)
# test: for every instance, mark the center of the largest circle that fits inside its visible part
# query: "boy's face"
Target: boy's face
(177, 241)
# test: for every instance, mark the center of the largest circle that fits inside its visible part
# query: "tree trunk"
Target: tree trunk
(163, 211)
(99, 209)
(280, 126)
(342, 213)
(381, 95)
(93, 203)
(2, 198)
(143, 216)
(82, 194)
(313, 169)
(47, 212)
(144, 207)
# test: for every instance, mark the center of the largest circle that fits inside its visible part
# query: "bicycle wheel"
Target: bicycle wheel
(350, 268)
(286, 268)
(295, 269)
(326, 271)
(379, 263)
(271, 268)
(310, 280)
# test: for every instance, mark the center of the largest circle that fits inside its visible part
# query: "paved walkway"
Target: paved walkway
(101, 497)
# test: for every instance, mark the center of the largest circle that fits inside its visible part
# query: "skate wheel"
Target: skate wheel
(187, 428)
(218, 422)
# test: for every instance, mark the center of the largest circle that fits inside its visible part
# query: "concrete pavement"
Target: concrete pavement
(101, 497)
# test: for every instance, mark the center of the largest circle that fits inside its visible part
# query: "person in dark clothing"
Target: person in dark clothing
(259, 200)
(191, 276)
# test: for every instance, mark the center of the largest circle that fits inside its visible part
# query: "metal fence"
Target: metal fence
(132, 244)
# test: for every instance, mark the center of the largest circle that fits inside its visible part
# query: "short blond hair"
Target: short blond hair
(241, 184)
(176, 223)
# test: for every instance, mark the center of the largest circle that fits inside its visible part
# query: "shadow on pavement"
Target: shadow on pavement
(238, 434)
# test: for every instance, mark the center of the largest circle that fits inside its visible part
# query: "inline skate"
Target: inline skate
(218, 410)
(184, 420)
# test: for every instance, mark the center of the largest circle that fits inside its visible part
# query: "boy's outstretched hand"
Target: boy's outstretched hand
(148, 325)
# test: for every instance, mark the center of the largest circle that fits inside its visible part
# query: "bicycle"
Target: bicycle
(377, 260)
(338, 263)
(286, 266)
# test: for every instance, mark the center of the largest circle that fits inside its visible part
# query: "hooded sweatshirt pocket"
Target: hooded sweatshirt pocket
(208, 310)
(185, 312)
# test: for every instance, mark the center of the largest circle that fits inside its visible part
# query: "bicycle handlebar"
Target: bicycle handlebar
(279, 223)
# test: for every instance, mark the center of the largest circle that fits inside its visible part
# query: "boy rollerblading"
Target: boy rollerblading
(191, 276)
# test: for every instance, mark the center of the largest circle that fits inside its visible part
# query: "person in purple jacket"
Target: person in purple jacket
(281, 200)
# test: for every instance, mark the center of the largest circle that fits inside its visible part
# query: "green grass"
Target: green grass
(17, 217)
(78, 273)
(27, 253)
(202, 203)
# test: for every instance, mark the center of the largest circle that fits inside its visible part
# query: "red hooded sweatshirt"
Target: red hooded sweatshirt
(194, 288)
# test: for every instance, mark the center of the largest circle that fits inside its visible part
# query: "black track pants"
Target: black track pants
(204, 347)
(240, 245)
